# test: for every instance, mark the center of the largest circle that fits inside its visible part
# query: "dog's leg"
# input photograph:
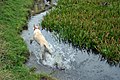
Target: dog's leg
(43, 57)
(43, 53)
(31, 40)
(47, 50)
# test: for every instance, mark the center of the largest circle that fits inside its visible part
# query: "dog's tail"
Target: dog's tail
(47, 50)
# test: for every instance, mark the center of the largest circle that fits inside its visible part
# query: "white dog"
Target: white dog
(40, 39)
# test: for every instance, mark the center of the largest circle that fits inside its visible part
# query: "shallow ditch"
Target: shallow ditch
(79, 64)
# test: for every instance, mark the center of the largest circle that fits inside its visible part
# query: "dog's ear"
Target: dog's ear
(34, 27)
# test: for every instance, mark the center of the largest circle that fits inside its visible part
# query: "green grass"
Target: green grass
(13, 50)
(94, 23)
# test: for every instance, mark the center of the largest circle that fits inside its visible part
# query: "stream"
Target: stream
(79, 64)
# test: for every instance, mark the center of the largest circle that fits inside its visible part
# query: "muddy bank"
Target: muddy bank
(41, 6)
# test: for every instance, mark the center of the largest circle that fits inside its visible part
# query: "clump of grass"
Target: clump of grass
(46, 77)
(94, 23)
(13, 50)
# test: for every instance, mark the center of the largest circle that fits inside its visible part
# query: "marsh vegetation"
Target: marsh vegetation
(90, 23)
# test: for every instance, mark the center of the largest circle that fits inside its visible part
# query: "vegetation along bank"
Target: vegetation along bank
(93, 23)
(13, 50)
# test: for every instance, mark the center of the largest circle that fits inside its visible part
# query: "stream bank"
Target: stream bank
(88, 23)
(13, 50)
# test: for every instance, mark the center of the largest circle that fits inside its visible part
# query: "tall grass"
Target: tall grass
(13, 50)
(94, 23)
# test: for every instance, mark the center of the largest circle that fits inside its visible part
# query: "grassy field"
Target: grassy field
(93, 23)
(13, 50)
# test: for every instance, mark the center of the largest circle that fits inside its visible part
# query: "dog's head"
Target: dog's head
(36, 27)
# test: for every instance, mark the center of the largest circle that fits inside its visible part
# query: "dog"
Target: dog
(40, 39)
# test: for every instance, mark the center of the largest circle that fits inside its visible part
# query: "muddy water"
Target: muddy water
(79, 64)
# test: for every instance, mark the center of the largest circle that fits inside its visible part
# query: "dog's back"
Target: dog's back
(40, 39)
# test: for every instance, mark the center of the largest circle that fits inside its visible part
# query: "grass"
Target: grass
(93, 23)
(13, 50)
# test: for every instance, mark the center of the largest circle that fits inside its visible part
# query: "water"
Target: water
(79, 64)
